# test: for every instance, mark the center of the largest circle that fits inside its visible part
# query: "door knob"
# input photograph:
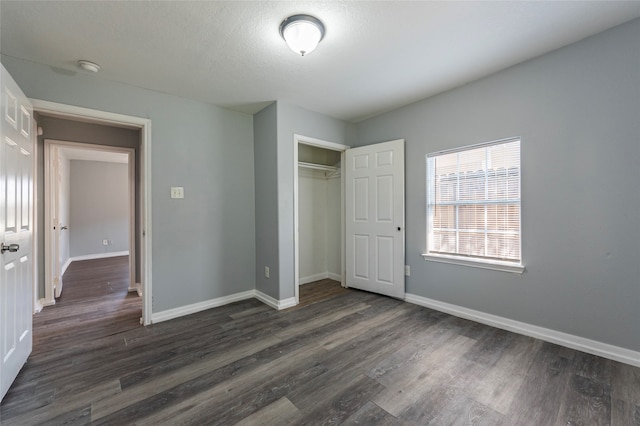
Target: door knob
(11, 248)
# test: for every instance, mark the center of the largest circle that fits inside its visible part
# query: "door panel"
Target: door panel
(384, 205)
(375, 218)
(384, 250)
(361, 256)
(26, 176)
(361, 199)
(16, 221)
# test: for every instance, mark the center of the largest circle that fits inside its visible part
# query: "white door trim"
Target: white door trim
(305, 140)
(52, 150)
(50, 243)
(37, 305)
(144, 124)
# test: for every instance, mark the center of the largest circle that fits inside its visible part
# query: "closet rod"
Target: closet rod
(316, 166)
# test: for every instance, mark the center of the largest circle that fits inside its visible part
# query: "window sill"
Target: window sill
(493, 265)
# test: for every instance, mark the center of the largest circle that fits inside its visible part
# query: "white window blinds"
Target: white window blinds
(473, 202)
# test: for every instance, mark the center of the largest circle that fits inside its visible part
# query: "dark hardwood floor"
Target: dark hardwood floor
(318, 291)
(344, 357)
(94, 303)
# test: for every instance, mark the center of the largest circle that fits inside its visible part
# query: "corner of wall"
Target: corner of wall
(265, 197)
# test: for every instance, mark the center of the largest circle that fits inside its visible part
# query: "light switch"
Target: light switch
(177, 192)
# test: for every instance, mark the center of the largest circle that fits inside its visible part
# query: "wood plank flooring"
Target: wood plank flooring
(342, 357)
(318, 291)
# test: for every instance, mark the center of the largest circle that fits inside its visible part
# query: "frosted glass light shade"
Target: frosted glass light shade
(88, 65)
(302, 33)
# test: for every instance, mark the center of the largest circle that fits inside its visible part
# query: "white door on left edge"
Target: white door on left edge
(16, 228)
(374, 218)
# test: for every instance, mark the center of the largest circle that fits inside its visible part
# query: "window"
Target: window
(473, 205)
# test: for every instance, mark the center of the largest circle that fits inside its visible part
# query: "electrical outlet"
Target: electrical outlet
(407, 270)
(105, 242)
(177, 192)
(266, 272)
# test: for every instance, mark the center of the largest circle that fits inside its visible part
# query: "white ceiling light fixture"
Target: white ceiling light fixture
(302, 33)
(88, 65)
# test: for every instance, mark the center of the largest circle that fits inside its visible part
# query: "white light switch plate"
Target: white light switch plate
(177, 192)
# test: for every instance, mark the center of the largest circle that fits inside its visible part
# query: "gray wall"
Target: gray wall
(274, 128)
(295, 120)
(578, 112)
(203, 246)
(99, 207)
(265, 148)
(75, 131)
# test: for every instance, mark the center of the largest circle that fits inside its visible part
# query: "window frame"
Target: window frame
(515, 266)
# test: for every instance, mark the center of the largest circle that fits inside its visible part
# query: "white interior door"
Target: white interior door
(16, 229)
(374, 211)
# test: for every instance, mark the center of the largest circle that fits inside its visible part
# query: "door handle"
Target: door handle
(64, 227)
(11, 248)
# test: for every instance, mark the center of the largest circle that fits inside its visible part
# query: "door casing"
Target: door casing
(107, 118)
(52, 155)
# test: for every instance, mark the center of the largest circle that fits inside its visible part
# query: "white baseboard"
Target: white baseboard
(65, 266)
(335, 277)
(275, 304)
(220, 301)
(37, 306)
(320, 276)
(136, 287)
(593, 347)
(98, 256)
(313, 278)
(44, 302)
(200, 306)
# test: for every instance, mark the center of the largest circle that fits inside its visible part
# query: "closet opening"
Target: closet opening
(319, 212)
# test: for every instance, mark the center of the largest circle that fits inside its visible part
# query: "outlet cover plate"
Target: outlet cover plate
(177, 192)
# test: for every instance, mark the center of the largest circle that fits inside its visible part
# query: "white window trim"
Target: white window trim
(477, 262)
(494, 265)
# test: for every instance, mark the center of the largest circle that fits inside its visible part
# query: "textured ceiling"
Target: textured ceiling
(376, 56)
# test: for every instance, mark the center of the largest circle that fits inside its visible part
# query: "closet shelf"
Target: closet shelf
(317, 166)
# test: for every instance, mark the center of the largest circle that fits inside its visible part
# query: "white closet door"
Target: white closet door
(375, 218)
